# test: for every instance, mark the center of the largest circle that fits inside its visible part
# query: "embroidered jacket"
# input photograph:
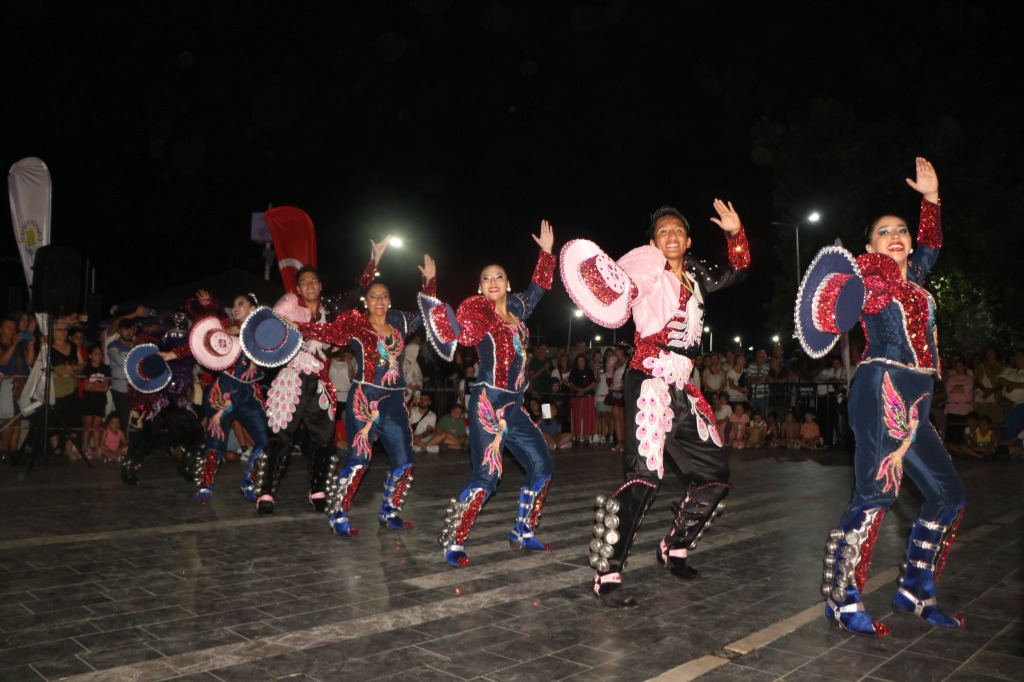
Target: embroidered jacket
(500, 345)
(899, 315)
(378, 356)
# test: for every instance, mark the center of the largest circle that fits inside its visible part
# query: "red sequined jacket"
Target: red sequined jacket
(899, 315)
(378, 356)
(501, 346)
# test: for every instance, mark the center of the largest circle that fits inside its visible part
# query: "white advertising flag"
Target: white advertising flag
(28, 186)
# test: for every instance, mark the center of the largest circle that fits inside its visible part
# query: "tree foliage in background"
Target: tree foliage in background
(827, 159)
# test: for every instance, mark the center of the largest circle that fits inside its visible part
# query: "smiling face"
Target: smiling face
(671, 238)
(891, 236)
(494, 283)
(378, 300)
(96, 356)
(241, 309)
(309, 287)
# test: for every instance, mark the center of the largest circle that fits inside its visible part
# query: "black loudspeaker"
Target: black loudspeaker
(56, 278)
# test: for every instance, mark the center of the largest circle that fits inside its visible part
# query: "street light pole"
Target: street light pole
(568, 342)
(812, 218)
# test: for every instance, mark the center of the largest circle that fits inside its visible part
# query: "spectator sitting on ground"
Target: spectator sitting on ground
(551, 427)
(1016, 446)
(723, 410)
(959, 444)
(757, 430)
(789, 431)
(810, 434)
(772, 430)
(450, 432)
(423, 420)
(113, 442)
(738, 422)
(981, 444)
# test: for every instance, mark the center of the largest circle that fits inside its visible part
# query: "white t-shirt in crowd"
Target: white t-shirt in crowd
(425, 421)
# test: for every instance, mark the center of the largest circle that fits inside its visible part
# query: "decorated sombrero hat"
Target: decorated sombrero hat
(145, 370)
(829, 301)
(596, 283)
(212, 346)
(267, 339)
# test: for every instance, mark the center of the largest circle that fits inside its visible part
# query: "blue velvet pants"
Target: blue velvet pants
(497, 420)
(882, 416)
(374, 411)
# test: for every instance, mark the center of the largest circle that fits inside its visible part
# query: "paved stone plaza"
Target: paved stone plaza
(100, 581)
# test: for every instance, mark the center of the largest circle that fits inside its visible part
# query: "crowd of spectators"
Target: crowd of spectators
(575, 395)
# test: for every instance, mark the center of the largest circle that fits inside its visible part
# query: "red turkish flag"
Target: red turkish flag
(294, 241)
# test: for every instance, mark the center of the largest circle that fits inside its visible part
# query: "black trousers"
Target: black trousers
(697, 461)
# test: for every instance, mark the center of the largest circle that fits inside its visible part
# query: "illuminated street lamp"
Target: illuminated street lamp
(576, 313)
(812, 218)
(711, 339)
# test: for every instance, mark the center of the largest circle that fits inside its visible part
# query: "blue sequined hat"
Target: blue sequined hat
(829, 301)
(267, 339)
(145, 370)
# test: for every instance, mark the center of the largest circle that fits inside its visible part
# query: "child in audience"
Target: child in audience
(757, 430)
(810, 433)
(113, 443)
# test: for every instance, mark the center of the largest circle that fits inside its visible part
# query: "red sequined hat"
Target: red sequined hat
(596, 283)
(212, 346)
(829, 301)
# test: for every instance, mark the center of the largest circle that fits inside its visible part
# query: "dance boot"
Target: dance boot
(531, 499)
(847, 558)
(699, 507)
(927, 551)
(396, 487)
(617, 520)
(339, 499)
(461, 515)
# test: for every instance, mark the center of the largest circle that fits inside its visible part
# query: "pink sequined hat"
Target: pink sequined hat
(829, 301)
(596, 283)
(212, 346)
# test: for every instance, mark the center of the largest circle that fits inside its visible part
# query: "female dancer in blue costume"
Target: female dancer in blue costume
(234, 394)
(889, 405)
(493, 322)
(376, 400)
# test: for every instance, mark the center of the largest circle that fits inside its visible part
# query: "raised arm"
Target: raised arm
(736, 244)
(543, 272)
(929, 231)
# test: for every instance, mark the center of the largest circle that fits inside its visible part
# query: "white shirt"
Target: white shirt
(428, 420)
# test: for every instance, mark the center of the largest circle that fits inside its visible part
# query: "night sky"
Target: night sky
(456, 125)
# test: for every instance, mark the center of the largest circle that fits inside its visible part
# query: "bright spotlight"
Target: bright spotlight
(775, 339)
(736, 339)
(578, 313)
(395, 242)
(814, 217)
(707, 329)
(597, 337)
